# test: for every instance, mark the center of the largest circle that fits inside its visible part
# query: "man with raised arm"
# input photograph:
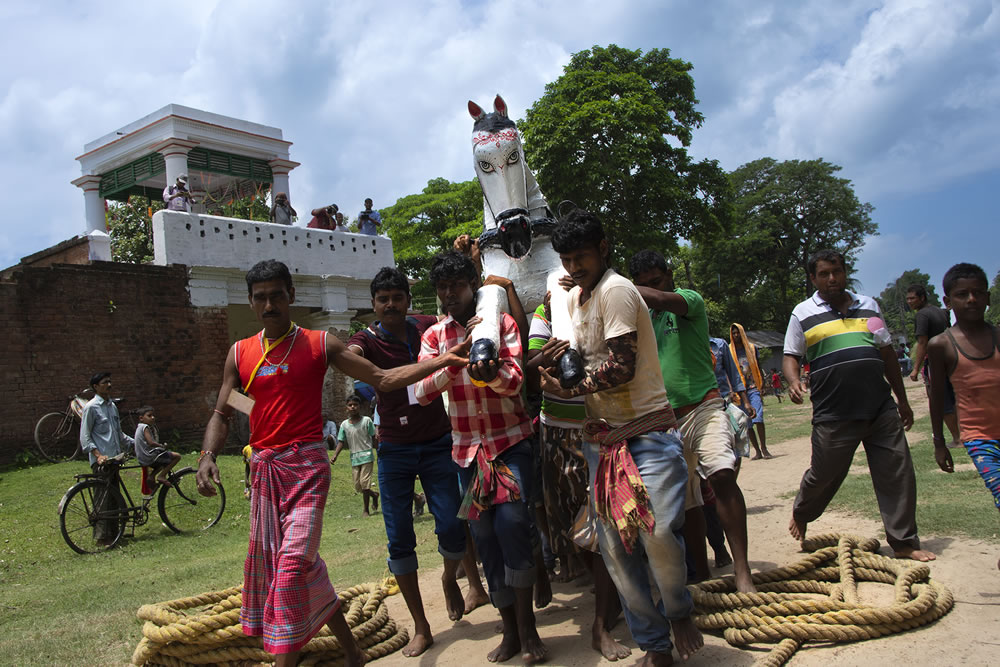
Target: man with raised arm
(681, 327)
(277, 376)
(638, 476)
(850, 357)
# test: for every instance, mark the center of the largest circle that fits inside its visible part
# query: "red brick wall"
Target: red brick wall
(66, 322)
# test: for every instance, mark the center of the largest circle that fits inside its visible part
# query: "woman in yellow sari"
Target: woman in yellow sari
(745, 354)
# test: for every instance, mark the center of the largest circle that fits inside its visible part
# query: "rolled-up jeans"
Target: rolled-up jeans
(399, 465)
(659, 457)
(503, 533)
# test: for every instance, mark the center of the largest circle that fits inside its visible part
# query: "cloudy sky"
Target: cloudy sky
(903, 94)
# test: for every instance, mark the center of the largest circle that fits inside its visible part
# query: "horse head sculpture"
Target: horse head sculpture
(513, 204)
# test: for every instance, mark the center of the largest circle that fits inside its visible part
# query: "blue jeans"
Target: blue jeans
(503, 533)
(660, 460)
(399, 465)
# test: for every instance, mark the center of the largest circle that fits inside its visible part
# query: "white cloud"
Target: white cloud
(902, 94)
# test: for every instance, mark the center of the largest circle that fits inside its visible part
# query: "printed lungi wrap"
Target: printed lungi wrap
(287, 594)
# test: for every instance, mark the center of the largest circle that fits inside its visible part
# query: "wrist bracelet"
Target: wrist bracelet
(207, 453)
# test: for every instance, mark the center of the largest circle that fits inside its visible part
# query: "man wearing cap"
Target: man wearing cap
(177, 196)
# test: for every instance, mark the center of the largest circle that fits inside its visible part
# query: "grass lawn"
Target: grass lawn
(61, 608)
(958, 503)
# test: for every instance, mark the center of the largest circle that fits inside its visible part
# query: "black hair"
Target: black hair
(390, 278)
(97, 377)
(144, 409)
(453, 265)
(577, 229)
(917, 289)
(268, 269)
(492, 122)
(963, 270)
(647, 260)
(356, 398)
(825, 255)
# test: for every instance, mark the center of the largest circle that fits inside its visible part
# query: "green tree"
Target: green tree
(424, 224)
(131, 230)
(898, 317)
(611, 134)
(252, 206)
(993, 314)
(783, 212)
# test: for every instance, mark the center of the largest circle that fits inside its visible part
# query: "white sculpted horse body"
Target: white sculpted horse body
(515, 241)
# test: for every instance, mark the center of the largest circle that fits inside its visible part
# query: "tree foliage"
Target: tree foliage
(424, 224)
(783, 212)
(131, 229)
(898, 317)
(611, 135)
(993, 314)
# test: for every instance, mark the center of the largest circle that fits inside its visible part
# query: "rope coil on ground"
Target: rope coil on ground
(205, 630)
(787, 611)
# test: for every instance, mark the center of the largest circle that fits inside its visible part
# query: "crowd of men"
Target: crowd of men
(623, 463)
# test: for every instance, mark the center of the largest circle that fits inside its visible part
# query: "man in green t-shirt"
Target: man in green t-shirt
(681, 328)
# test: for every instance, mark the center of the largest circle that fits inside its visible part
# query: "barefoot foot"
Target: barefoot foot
(602, 642)
(756, 457)
(475, 598)
(508, 648)
(687, 637)
(421, 642)
(797, 529)
(915, 554)
(533, 650)
(744, 582)
(453, 598)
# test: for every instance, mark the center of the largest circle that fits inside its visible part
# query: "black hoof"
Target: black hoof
(571, 371)
(482, 350)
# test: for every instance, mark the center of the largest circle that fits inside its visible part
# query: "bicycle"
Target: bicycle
(96, 511)
(57, 434)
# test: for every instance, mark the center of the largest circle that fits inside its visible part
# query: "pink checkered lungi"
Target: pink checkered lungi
(287, 594)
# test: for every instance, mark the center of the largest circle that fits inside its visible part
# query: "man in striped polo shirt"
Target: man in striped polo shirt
(849, 350)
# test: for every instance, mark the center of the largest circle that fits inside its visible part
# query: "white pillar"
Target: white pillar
(91, 185)
(279, 176)
(175, 156)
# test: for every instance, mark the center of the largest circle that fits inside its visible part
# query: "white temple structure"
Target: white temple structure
(226, 158)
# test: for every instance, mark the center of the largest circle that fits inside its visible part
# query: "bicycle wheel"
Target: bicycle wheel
(183, 509)
(92, 516)
(57, 437)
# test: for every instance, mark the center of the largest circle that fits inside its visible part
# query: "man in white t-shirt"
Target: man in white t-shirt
(636, 437)
(357, 433)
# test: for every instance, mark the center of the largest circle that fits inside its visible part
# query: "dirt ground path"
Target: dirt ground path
(966, 636)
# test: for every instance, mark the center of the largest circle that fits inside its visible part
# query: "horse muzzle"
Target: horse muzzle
(514, 233)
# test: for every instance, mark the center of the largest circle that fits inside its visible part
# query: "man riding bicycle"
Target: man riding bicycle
(101, 437)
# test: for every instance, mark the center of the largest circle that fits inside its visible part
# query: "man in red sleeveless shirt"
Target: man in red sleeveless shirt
(287, 594)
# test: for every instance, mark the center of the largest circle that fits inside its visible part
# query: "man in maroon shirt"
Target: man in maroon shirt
(414, 441)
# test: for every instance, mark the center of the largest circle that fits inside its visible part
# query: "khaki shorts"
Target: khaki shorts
(362, 476)
(709, 445)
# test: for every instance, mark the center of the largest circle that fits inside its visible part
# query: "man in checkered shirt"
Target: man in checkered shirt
(490, 431)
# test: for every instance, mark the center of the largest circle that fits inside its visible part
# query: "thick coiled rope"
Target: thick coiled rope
(816, 599)
(205, 629)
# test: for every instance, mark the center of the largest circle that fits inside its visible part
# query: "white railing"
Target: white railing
(200, 240)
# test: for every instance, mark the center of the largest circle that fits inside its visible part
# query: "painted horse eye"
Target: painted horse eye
(513, 157)
(486, 166)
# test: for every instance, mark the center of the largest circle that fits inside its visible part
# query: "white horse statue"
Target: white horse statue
(516, 224)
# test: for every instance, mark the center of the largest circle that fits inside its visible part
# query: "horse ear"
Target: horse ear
(475, 110)
(500, 106)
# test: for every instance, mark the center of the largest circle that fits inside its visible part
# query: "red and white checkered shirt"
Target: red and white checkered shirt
(493, 416)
